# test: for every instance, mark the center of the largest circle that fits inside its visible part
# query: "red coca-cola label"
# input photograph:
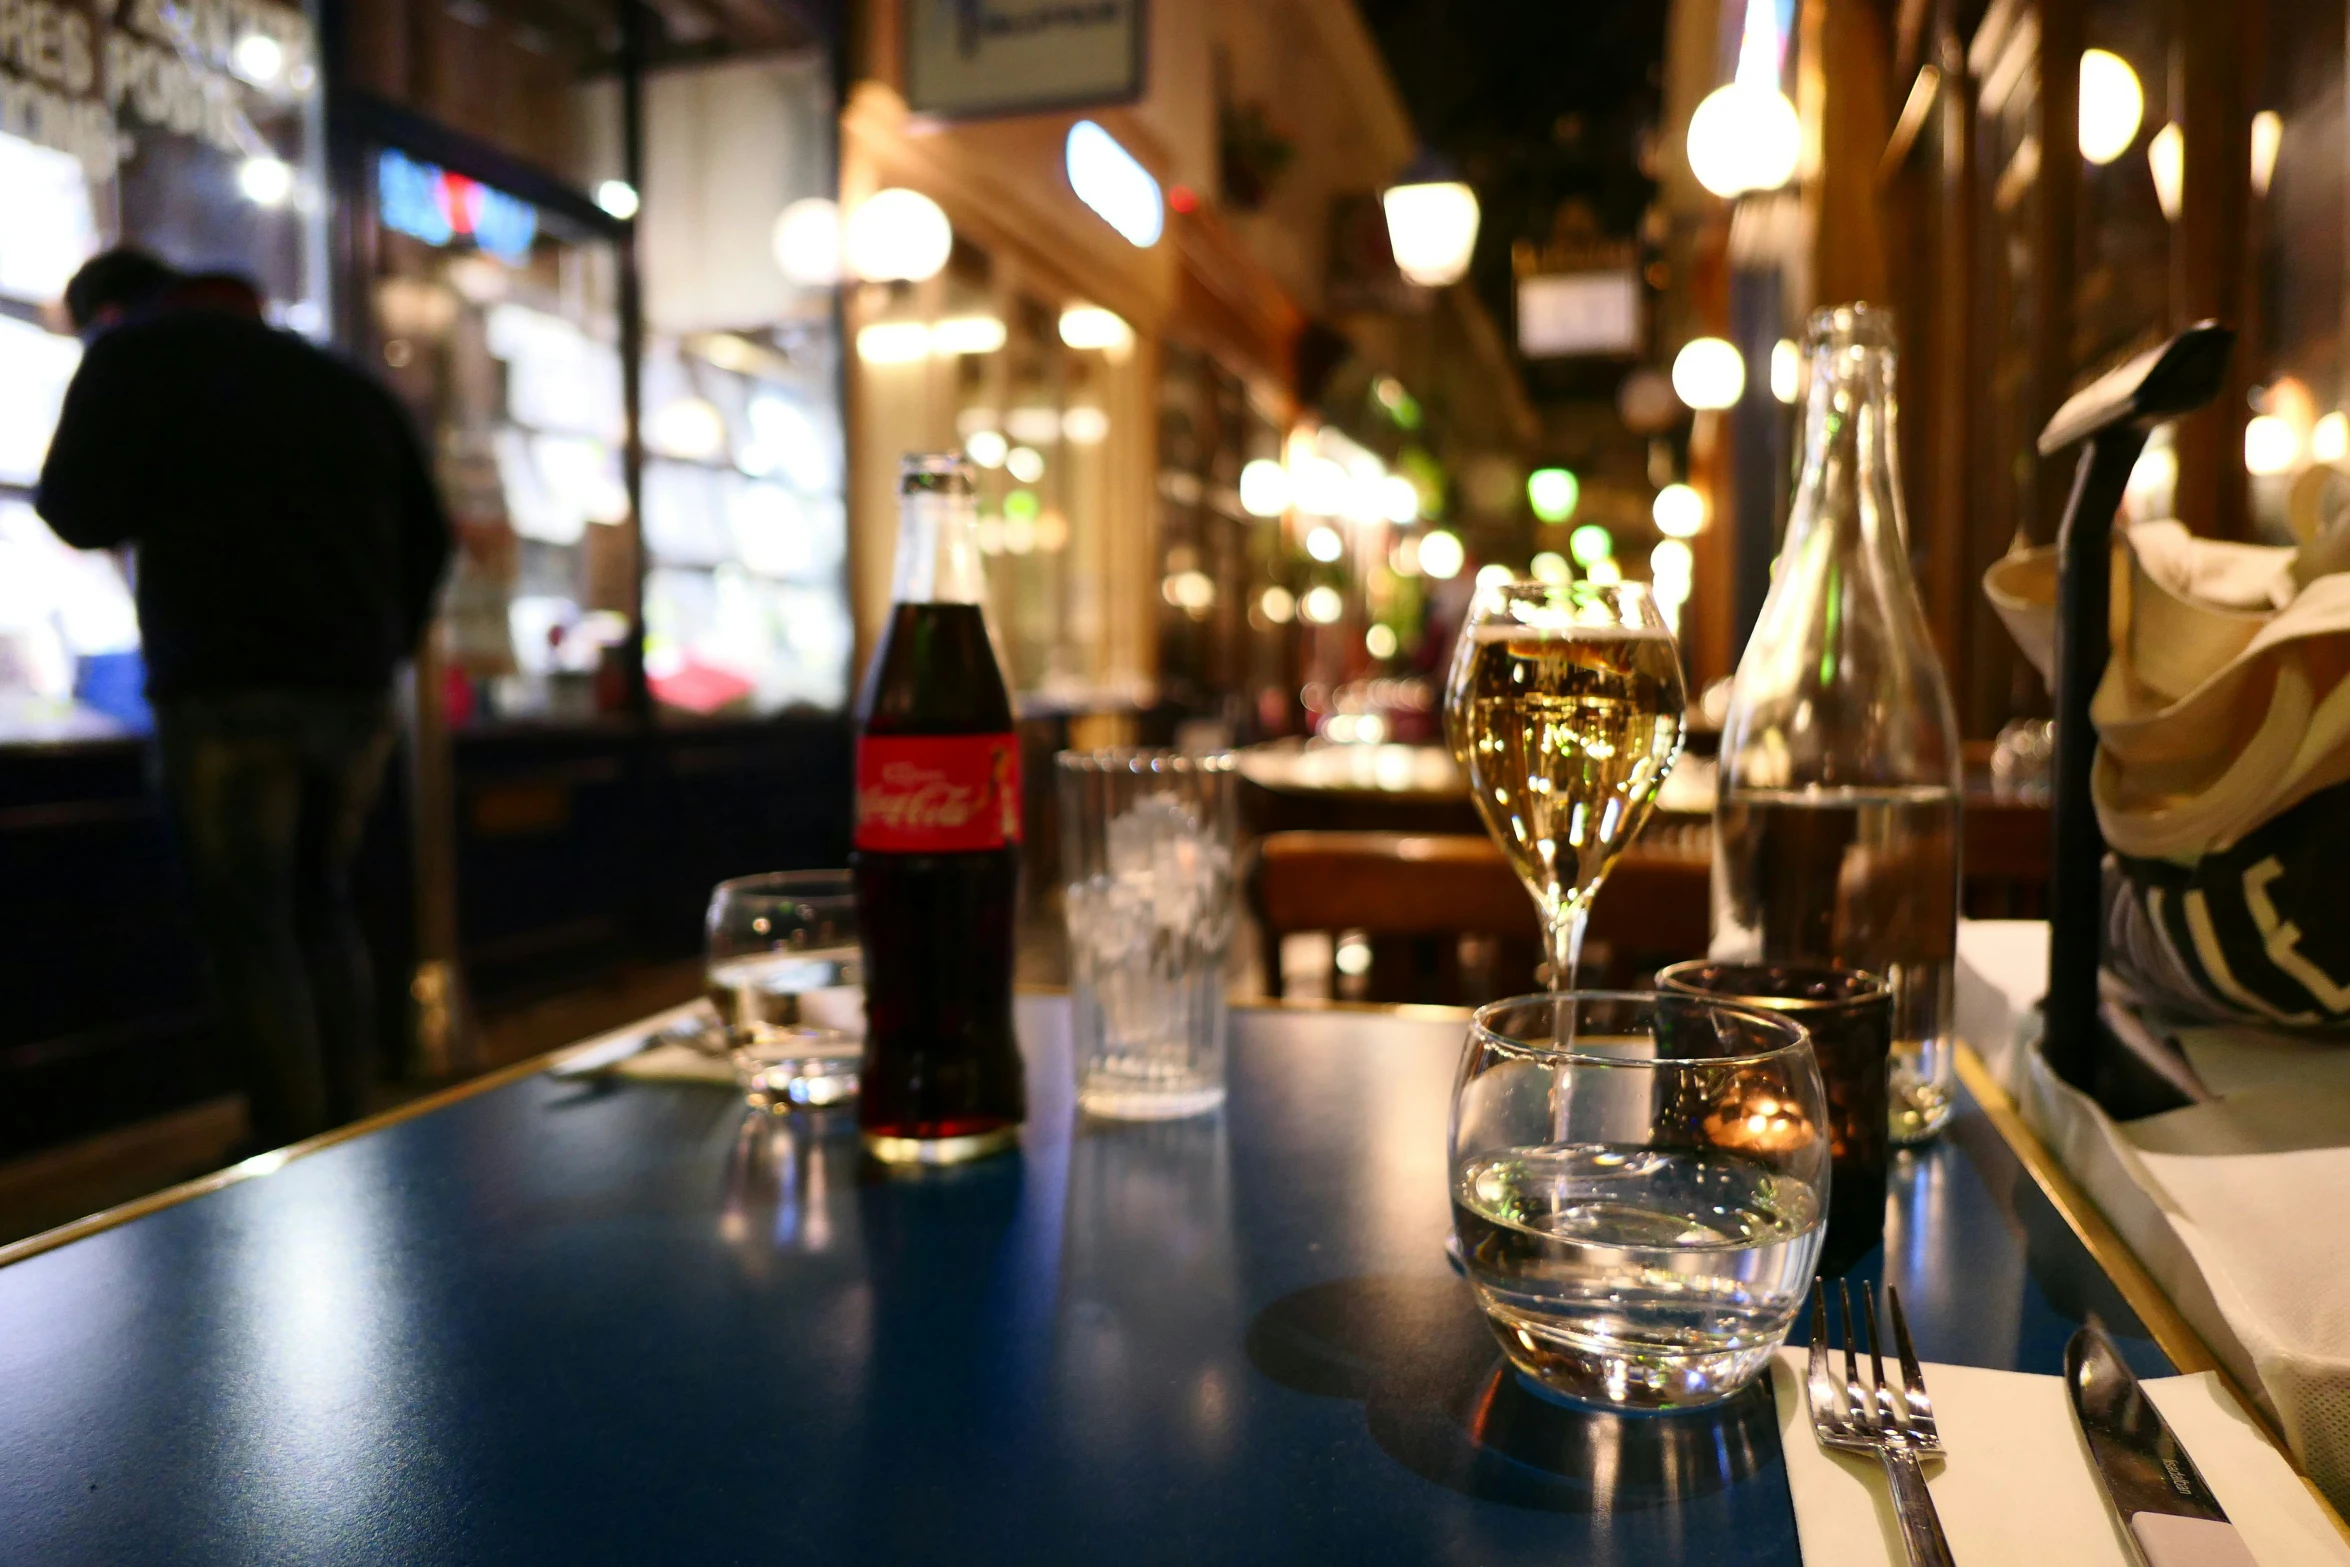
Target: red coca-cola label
(937, 794)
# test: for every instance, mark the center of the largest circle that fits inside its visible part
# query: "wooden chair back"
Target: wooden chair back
(1416, 896)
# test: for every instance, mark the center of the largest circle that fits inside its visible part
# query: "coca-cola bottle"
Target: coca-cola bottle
(937, 856)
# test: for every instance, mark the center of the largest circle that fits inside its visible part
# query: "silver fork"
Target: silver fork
(1896, 1427)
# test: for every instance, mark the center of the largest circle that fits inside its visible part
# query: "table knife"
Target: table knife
(2167, 1513)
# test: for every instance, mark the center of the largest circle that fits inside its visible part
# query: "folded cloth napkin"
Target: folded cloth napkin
(2017, 1489)
(639, 1049)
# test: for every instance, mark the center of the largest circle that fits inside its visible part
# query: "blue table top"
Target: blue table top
(613, 1321)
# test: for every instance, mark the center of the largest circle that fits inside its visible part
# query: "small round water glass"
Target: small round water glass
(1639, 1183)
(784, 971)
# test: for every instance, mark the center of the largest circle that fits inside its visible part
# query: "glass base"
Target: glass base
(1115, 1101)
(780, 1095)
(940, 1150)
(1593, 1373)
(1915, 1111)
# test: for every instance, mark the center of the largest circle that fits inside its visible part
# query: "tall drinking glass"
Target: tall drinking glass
(1565, 708)
(1639, 1212)
(1147, 843)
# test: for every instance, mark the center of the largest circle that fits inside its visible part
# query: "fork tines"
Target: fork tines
(1851, 1410)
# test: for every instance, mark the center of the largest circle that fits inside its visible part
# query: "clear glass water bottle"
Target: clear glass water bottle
(1836, 830)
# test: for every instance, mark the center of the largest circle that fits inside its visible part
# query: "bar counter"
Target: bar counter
(601, 1320)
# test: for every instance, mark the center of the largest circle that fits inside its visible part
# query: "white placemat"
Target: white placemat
(2017, 1489)
(2239, 1208)
(2002, 974)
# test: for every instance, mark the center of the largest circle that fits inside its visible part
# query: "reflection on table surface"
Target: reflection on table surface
(625, 1321)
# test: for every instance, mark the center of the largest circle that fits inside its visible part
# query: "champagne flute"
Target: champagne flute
(1565, 708)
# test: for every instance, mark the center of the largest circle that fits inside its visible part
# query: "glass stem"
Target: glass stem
(1566, 943)
(1566, 951)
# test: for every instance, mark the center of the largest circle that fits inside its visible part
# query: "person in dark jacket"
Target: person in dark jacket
(288, 544)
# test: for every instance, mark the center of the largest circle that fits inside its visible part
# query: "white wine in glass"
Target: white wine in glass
(1565, 708)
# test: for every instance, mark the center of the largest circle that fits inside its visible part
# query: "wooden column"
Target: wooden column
(2211, 246)
(1846, 53)
(1952, 475)
(2056, 246)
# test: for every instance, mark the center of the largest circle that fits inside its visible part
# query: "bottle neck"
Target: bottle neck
(938, 560)
(1848, 497)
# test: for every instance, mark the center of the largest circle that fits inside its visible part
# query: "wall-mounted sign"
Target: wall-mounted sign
(979, 57)
(427, 202)
(203, 68)
(1113, 182)
(1564, 313)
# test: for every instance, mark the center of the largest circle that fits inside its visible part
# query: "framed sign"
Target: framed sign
(970, 58)
(1568, 313)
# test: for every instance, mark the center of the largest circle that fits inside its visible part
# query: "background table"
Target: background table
(599, 1321)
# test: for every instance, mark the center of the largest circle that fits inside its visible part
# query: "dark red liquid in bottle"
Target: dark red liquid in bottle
(937, 868)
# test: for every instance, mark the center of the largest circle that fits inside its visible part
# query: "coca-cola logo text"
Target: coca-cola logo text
(913, 796)
(931, 794)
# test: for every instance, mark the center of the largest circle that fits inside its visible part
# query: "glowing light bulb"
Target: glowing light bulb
(1709, 372)
(2112, 103)
(1441, 555)
(806, 242)
(897, 235)
(2166, 159)
(1432, 228)
(1679, 512)
(258, 58)
(2329, 438)
(1553, 493)
(265, 181)
(2270, 445)
(1264, 488)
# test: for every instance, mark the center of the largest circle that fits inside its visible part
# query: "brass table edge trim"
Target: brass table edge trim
(269, 1163)
(2173, 1333)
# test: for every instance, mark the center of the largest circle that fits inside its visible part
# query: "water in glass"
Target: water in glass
(1640, 1211)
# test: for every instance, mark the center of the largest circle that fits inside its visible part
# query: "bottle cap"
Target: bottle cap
(935, 473)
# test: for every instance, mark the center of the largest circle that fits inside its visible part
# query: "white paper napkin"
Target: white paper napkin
(623, 1051)
(2017, 1488)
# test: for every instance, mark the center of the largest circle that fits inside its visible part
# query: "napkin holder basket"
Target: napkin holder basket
(2099, 1046)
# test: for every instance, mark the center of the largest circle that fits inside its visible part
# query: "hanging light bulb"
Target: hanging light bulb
(1709, 372)
(897, 235)
(1431, 225)
(806, 242)
(2112, 104)
(1747, 136)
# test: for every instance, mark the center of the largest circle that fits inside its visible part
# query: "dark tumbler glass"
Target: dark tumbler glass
(1849, 1015)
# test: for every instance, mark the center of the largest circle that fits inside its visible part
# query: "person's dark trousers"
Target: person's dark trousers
(270, 791)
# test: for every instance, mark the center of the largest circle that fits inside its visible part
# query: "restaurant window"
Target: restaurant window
(201, 142)
(496, 322)
(745, 533)
(1041, 393)
(1221, 655)
(746, 530)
